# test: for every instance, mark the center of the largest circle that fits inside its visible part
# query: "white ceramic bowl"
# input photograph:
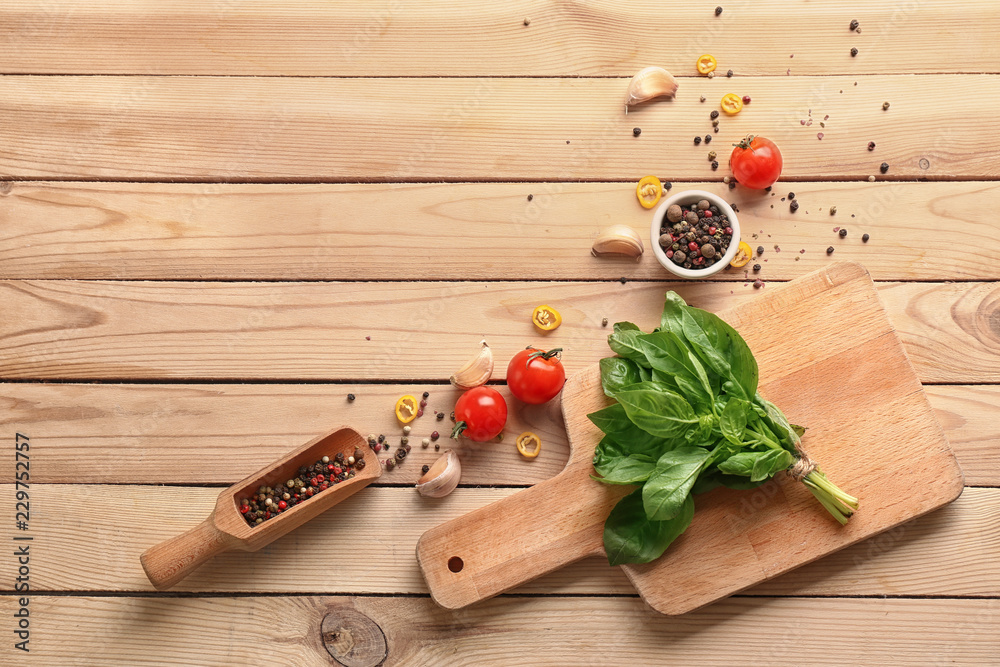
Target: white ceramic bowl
(687, 198)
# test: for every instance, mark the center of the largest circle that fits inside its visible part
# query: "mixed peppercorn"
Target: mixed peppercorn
(697, 236)
(270, 501)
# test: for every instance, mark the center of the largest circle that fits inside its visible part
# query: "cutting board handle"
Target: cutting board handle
(170, 561)
(517, 539)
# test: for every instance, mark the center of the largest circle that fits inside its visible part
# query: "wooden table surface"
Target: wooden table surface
(217, 219)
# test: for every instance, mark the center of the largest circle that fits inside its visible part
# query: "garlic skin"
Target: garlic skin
(442, 478)
(648, 84)
(476, 370)
(618, 240)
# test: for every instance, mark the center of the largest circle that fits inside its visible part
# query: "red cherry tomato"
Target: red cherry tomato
(535, 376)
(480, 414)
(756, 162)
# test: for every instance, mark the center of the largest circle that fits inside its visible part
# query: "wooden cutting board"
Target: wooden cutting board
(831, 360)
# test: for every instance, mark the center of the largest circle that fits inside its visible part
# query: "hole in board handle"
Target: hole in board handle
(455, 564)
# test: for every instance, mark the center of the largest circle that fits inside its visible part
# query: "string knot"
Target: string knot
(802, 467)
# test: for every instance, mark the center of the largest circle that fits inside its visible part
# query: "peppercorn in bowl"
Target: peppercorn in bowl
(694, 234)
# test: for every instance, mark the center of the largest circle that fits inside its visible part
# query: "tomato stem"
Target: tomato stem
(555, 352)
(459, 429)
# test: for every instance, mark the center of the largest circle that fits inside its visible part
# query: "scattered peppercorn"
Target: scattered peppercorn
(530, 197)
(714, 114)
(854, 52)
(440, 416)
(351, 397)
(833, 210)
(435, 435)
(756, 267)
(718, 10)
(843, 232)
(636, 131)
(425, 469)
(871, 145)
(760, 250)
(667, 185)
(732, 185)
(746, 99)
(715, 129)
(426, 395)
(437, 448)
(885, 106)
(829, 251)
(854, 24)
(729, 74)
(711, 75)
(425, 443)
(697, 140)
(708, 138)
(715, 165)
(703, 98)
(794, 206)
(791, 195)
(604, 321)
(871, 179)
(715, 123)
(757, 284)
(864, 238)
(884, 167)
(711, 155)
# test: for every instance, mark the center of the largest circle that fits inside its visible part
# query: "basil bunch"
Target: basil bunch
(687, 419)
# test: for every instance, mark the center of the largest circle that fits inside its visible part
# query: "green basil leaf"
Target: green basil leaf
(799, 430)
(673, 311)
(617, 373)
(616, 464)
(667, 353)
(778, 423)
(709, 481)
(630, 537)
(723, 350)
(645, 374)
(733, 420)
(676, 471)
(661, 413)
(758, 466)
(613, 420)
(624, 342)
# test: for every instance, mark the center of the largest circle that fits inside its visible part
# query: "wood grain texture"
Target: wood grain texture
(317, 331)
(458, 37)
(950, 552)
(184, 631)
(156, 430)
(462, 231)
(401, 129)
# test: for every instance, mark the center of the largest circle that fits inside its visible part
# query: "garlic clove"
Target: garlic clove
(442, 478)
(648, 84)
(476, 370)
(618, 240)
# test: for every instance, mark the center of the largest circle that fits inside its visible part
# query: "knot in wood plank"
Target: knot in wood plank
(352, 638)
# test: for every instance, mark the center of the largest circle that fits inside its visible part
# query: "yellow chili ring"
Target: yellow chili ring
(707, 63)
(649, 191)
(731, 104)
(743, 255)
(406, 409)
(529, 445)
(546, 318)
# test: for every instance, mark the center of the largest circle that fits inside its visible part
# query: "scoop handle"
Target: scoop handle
(517, 539)
(168, 562)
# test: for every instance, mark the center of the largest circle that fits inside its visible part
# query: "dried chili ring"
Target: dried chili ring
(529, 445)
(406, 409)
(649, 190)
(546, 318)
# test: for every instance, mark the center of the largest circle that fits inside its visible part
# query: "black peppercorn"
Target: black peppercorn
(697, 140)
(760, 250)
(667, 185)
(530, 197)
(854, 24)
(732, 185)
(884, 167)
(729, 74)
(794, 206)
(871, 145)
(718, 10)
(715, 165)
(440, 416)
(623, 280)
(829, 251)
(843, 232)
(854, 52)
(425, 469)
(426, 394)
(636, 131)
(714, 114)
(791, 195)
(708, 138)
(339, 457)
(351, 397)
(865, 237)
(756, 267)
(400, 454)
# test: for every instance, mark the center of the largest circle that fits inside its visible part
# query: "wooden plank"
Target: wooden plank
(462, 230)
(457, 37)
(553, 631)
(950, 552)
(403, 129)
(154, 429)
(180, 330)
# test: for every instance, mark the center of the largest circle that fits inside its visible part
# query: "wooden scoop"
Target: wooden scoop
(168, 562)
